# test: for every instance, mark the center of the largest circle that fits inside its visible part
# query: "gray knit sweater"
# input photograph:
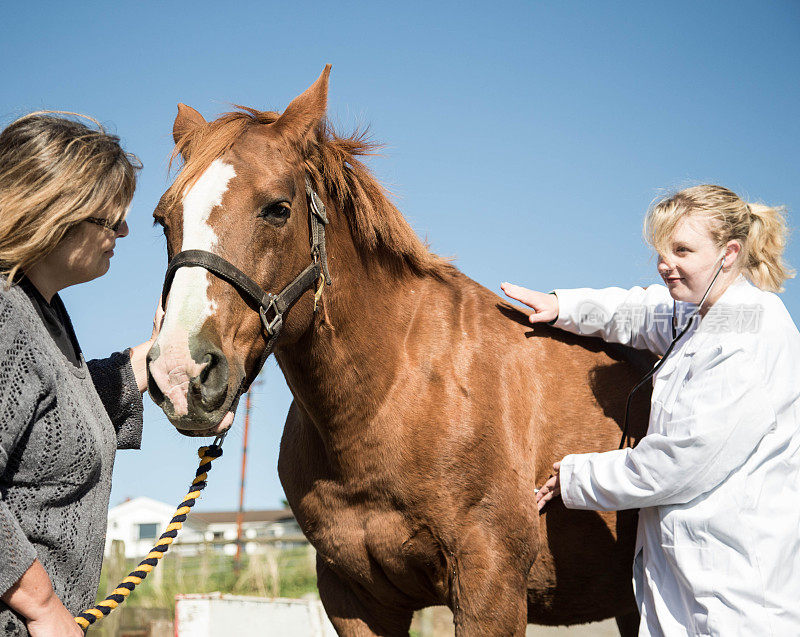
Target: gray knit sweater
(60, 426)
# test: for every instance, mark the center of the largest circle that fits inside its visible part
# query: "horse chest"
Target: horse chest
(377, 548)
(354, 535)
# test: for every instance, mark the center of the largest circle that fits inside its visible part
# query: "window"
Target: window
(148, 531)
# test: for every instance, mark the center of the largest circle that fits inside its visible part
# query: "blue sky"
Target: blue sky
(525, 139)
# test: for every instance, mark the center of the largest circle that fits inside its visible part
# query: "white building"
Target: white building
(268, 523)
(140, 521)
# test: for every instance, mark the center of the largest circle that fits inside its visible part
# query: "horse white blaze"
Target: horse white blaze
(189, 305)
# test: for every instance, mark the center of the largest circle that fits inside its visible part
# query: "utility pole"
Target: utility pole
(240, 514)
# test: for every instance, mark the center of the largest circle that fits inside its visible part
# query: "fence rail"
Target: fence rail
(284, 539)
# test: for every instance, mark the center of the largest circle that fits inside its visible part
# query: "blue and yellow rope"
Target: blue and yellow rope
(135, 577)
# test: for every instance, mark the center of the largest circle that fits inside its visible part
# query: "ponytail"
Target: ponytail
(766, 241)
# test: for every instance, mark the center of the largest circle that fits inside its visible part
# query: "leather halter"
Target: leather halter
(271, 307)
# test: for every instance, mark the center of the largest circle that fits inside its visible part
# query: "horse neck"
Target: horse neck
(342, 370)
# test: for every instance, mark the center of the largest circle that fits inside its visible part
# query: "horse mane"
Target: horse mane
(332, 161)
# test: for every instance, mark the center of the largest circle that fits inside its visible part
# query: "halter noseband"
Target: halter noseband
(271, 307)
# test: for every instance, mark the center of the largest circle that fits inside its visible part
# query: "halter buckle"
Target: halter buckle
(274, 326)
(318, 291)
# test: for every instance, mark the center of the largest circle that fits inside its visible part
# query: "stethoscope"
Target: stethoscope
(676, 336)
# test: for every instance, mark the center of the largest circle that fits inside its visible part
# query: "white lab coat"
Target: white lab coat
(717, 477)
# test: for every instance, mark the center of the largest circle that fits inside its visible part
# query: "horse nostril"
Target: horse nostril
(155, 391)
(152, 386)
(209, 362)
(211, 385)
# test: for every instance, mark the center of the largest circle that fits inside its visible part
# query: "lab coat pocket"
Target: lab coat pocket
(660, 411)
(692, 586)
(666, 385)
(664, 419)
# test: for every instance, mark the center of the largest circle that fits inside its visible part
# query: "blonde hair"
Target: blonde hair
(54, 173)
(761, 230)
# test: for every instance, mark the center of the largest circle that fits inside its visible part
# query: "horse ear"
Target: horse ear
(186, 121)
(307, 109)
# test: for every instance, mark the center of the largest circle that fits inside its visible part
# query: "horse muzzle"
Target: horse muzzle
(196, 392)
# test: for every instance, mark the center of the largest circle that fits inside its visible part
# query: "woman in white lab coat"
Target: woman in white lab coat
(717, 477)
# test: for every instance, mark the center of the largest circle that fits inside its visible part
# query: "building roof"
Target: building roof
(222, 517)
(141, 502)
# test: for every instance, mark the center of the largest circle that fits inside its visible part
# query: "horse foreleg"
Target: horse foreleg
(628, 624)
(355, 613)
(488, 598)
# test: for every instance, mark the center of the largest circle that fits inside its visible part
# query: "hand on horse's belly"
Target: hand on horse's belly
(550, 489)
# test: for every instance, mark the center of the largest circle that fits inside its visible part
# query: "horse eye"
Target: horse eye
(276, 211)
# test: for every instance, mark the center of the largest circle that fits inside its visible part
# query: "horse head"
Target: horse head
(244, 197)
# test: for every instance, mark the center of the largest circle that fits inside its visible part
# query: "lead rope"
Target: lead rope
(135, 577)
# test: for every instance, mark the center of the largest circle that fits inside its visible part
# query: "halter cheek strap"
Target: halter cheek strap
(271, 307)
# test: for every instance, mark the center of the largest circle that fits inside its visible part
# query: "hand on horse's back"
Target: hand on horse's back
(545, 306)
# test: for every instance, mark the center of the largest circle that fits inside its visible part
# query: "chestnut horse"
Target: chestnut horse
(425, 410)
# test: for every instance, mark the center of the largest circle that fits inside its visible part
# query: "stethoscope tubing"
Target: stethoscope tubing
(625, 437)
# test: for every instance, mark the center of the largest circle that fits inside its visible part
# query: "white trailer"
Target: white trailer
(218, 615)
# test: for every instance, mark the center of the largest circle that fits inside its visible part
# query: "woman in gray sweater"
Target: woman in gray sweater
(64, 191)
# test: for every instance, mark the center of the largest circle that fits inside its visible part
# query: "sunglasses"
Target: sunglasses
(105, 223)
